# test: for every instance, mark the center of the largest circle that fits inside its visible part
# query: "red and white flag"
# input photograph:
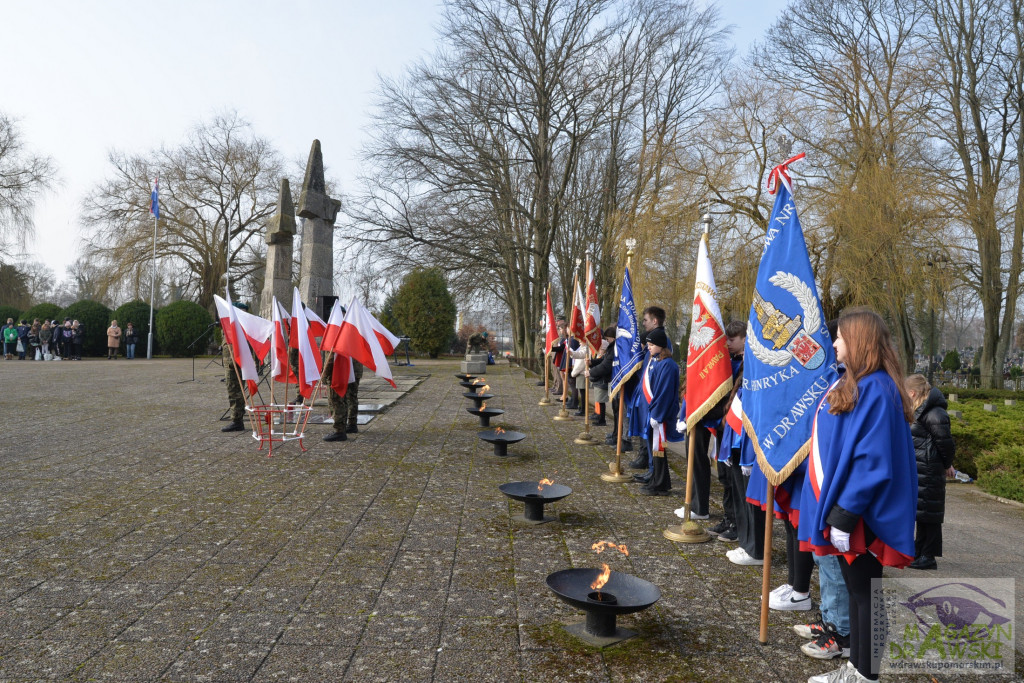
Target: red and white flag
(708, 369)
(302, 338)
(592, 321)
(317, 326)
(552, 331)
(364, 339)
(280, 369)
(257, 331)
(343, 372)
(576, 319)
(235, 335)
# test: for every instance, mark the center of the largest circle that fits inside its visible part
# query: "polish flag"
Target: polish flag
(234, 334)
(257, 331)
(280, 370)
(317, 326)
(364, 339)
(343, 372)
(592, 321)
(302, 338)
(552, 329)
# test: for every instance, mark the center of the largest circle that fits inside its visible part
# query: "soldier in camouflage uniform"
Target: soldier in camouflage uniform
(235, 396)
(337, 405)
(351, 400)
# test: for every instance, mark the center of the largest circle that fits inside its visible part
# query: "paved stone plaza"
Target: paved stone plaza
(140, 543)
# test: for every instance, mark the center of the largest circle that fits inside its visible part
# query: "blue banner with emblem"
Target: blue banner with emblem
(788, 362)
(629, 354)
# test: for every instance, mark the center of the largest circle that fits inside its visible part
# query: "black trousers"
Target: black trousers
(928, 540)
(724, 473)
(749, 518)
(661, 480)
(799, 563)
(858, 576)
(701, 471)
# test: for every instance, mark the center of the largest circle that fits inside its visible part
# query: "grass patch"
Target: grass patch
(1001, 471)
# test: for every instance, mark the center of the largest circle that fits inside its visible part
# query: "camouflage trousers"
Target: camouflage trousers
(235, 396)
(344, 409)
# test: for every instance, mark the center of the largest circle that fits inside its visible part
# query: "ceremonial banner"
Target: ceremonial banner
(789, 362)
(708, 370)
(576, 319)
(154, 199)
(592, 316)
(551, 335)
(629, 353)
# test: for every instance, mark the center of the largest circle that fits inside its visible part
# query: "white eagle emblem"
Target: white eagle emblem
(701, 334)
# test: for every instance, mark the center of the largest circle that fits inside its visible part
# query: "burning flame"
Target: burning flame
(483, 405)
(602, 578)
(601, 545)
(499, 430)
(542, 483)
(478, 380)
(483, 390)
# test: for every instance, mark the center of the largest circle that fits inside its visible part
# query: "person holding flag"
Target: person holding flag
(653, 318)
(345, 375)
(628, 357)
(661, 393)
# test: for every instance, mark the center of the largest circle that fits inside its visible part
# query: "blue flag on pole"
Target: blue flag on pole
(629, 354)
(788, 362)
(154, 197)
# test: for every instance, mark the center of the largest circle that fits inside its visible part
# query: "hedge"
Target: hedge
(44, 311)
(178, 325)
(9, 312)
(1001, 471)
(94, 319)
(980, 433)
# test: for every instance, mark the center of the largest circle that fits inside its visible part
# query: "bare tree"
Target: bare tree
(976, 50)
(220, 185)
(23, 179)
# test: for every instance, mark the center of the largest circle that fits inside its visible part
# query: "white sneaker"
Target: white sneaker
(681, 514)
(694, 515)
(781, 593)
(844, 674)
(740, 556)
(790, 603)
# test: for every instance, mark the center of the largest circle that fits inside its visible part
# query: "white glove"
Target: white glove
(654, 423)
(746, 470)
(681, 426)
(840, 539)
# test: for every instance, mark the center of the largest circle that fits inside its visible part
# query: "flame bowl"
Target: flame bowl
(501, 441)
(464, 377)
(534, 500)
(478, 399)
(630, 594)
(485, 414)
(469, 385)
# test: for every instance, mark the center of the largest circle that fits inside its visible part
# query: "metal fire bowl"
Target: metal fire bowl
(464, 377)
(470, 385)
(631, 594)
(534, 500)
(478, 399)
(485, 415)
(501, 441)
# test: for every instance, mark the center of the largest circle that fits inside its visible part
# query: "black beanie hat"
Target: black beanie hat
(658, 337)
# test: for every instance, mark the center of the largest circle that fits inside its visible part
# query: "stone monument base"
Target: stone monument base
(473, 367)
(476, 357)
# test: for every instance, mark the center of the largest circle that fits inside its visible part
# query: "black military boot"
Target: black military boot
(233, 426)
(336, 436)
(352, 429)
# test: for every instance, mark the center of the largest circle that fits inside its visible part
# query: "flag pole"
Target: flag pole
(152, 267)
(766, 572)
(616, 475)
(546, 401)
(585, 438)
(563, 414)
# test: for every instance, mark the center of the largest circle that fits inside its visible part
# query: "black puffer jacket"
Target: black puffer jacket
(933, 444)
(601, 369)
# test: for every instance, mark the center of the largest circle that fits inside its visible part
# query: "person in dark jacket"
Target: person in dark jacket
(933, 445)
(600, 372)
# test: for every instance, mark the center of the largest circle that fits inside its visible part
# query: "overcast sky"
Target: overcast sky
(83, 78)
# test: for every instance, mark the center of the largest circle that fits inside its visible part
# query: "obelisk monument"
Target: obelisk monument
(277, 282)
(316, 278)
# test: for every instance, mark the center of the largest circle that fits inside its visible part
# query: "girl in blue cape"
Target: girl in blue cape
(660, 391)
(860, 495)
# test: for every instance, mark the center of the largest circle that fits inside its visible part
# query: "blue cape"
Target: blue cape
(868, 467)
(664, 407)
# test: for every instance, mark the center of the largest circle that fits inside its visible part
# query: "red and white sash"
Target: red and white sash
(816, 471)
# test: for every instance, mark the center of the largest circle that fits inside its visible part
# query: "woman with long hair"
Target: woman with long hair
(860, 494)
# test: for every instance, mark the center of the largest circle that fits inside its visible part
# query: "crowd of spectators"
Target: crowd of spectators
(53, 340)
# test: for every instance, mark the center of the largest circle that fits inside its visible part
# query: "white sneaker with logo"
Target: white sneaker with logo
(789, 603)
(740, 556)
